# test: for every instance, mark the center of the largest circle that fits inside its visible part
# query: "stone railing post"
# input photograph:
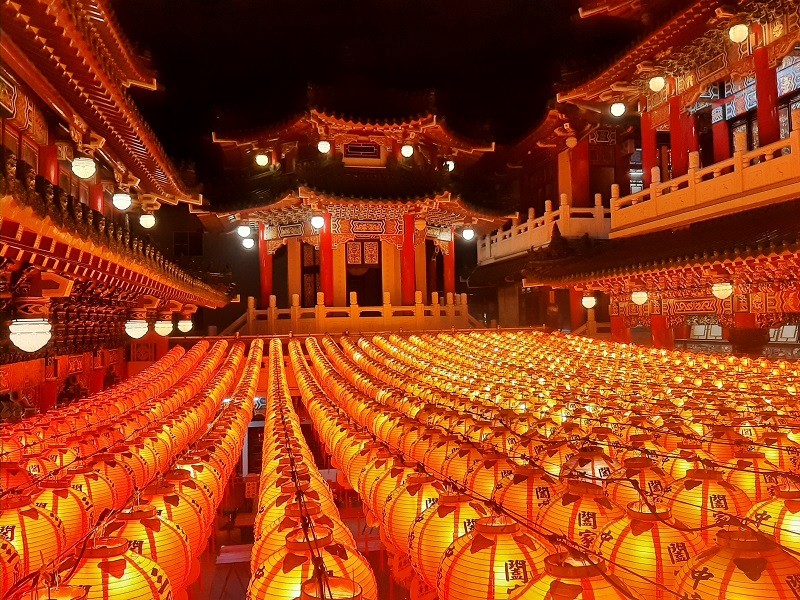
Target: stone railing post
(563, 215)
(294, 312)
(419, 310)
(615, 197)
(387, 311)
(739, 148)
(251, 315)
(272, 314)
(548, 212)
(319, 311)
(599, 211)
(353, 312)
(655, 182)
(794, 138)
(531, 214)
(450, 309)
(436, 310)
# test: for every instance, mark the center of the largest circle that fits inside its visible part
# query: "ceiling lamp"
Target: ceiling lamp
(324, 146)
(468, 233)
(163, 328)
(84, 167)
(136, 328)
(722, 289)
(185, 325)
(618, 109)
(262, 160)
(121, 201)
(657, 83)
(589, 302)
(243, 231)
(30, 335)
(318, 221)
(450, 165)
(248, 243)
(640, 297)
(147, 220)
(739, 32)
(407, 150)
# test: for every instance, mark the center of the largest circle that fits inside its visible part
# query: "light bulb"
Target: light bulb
(450, 165)
(163, 328)
(657, 83)
(121, 201)
(84, 167)
(618, 109)
(468, 233)
(589, 302)
(738, 33)
(639, 298)
(262, 160)
(722, 289)
(136, 328)
(30, 335)
(185, 325)
(243, 231)
(407, 150)
(318, 221)
(147, 220)
(324, 146)
(248, 243)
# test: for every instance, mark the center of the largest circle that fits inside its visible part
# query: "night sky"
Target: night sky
(242, 64)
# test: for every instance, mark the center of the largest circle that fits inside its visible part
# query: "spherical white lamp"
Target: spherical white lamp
(185, 325)
(468, 233)
(738, 33)
(243, 231)
(84, 167)
(407, 150)
(121, 201)
(248, 243)
(589, 302)
(722, 289)
(136, 328)
(147, 220)
(262, 160)
(450, 165)
(318, 221)
(30, 335)
(163, 328)
(618, 109)
(657, 83)
(324, 146)
(640, 297)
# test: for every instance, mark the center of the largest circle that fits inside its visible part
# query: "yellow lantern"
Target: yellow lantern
(37, 535)
(526, 492)
(10, 566)
(100, 490)
(490, 561)
(404, 505)
(180, 509)
(779, 518)
(71, 506)
(752, 473)
(638, 477)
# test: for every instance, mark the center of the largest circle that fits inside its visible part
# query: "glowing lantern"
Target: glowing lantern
(121, 200)
(404, 505)
(99, 489)
(14, 476)
(638, 477)
(649, 545)
(461, 461)
(640, 297)
(689, 455)
(780, 450)
(752, 473)
(193, 488)
(323, 146)
(10, 448)
(725, 442)
(200, 468)
(742, 564)
(10, 566)
(578, 578)
(272, 538)
(72, 507)
(779, 518)
(657, 83)
(156, 538)
(738, 32)
(38, 465)
(590, 464)
(702, 497)
(60, 592)
(489, 562)
(148, 221)
(37, 535)
(281, 575)
(107, 568)
(579, 512)
(482, 479)
(525, 492)
(438, 527)
(391, 480)
(618, 109)
(118, 471)
(178, 508)
(84, 167)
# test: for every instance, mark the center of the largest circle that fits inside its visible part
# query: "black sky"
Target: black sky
(493, 64)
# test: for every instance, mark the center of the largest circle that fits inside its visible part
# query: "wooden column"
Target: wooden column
(579, 171)
(769, 129)
(663, 336)
(649, 148)
(326, 260)
(295, 267)
(96, 196)
(746, 336)
(619, 331)
(450, 266)
(721, 134)
(577, 314)
(682, 135)
(48, 163)
(408, 281)
(265, 267)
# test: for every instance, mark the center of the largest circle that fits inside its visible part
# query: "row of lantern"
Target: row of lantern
(105, 483)
(302, 548)
(699, 490)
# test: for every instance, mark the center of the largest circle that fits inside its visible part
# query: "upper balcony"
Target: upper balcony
(749, 179)
(537, 231)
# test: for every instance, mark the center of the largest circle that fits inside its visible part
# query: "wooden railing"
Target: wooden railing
(353, 318)
(537, 231)
(750, 178)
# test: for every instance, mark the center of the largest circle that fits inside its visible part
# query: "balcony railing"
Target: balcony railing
(354, 318)
(749, 179)
(537, 231)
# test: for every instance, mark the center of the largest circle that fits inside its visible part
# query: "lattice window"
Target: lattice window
(362, 150)
(784, 335)
(706, 332)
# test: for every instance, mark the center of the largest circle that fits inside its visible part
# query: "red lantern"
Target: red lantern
(71, 506)
(10, 566)
(180, 509)
(37, 535)
(100, 490)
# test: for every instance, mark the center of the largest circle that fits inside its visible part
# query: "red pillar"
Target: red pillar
(577, 314)
(48, 392)
(326, 259)
(769, 129)
(450, 266)
(682, 135)
(265, 267)
(663, 336)
(619, 332)
(721, 133)
(96, 197)
(48, 163)
(649, 148)
(579, 172)
(408, 276)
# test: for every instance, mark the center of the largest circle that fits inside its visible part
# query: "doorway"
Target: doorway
(364, 273)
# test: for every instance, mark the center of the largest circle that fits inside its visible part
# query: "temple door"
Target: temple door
(364, 271)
